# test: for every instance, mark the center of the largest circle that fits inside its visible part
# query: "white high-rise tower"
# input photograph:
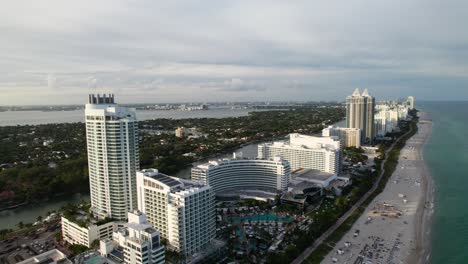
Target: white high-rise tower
(112, 140)
(410, 102)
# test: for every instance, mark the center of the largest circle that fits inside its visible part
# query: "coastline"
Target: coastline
(425, 210)
(404, 239)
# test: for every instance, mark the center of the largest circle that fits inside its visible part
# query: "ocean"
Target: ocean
(446, 155)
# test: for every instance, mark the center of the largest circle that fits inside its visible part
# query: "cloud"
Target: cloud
(239, 85)
(51, 81)
(240, 49)
(92, 82)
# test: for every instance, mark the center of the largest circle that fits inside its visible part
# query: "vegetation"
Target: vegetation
(34, 182)
(37, 161)
(331, 209)
(354, 154)
(78, 249)
(389, 167)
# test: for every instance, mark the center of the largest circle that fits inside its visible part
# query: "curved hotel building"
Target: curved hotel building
(305, 152)
(244, 174)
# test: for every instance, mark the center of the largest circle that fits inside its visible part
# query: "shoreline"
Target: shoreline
(380, 238)
(425, 210)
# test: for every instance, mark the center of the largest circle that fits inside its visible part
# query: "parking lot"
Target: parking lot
(17, 249)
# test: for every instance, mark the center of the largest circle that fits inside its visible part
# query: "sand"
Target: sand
(403, 239)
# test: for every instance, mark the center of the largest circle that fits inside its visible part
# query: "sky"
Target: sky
(57, 52)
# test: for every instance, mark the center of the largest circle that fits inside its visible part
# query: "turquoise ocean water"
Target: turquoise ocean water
(446, 155)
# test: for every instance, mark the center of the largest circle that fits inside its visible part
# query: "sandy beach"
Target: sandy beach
(379, 235)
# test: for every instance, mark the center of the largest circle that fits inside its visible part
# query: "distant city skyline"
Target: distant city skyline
(57, 52)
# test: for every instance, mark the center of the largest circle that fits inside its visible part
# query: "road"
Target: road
(304, 255)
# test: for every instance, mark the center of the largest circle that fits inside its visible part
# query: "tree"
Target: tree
(58, 237)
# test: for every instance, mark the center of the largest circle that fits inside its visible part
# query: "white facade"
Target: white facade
(411, 102)
(75, 234)
(112, 143)
(241, 174)
(182, 211)
(305, 152)
(139, 240)
(349, 137)
(387, 117)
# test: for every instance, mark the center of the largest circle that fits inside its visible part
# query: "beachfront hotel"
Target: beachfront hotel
(137, 242)
(182, 211)
(360, 109)
(112, 144)
(244, 174)
(305, 152)
(349, 137)
(388, 115)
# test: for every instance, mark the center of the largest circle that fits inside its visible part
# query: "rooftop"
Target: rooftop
(161, 177)
(312, 174)
(98, 99)
(52, 256)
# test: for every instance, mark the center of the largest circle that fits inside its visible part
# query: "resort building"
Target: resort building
(137, 242)
(360, 110)
(112, 144)
(182, 211)
(78, 231)
(388, 115)
(240, 174)
(349, 137)
(305, 152)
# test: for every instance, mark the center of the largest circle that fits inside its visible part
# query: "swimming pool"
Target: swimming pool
(264, 217)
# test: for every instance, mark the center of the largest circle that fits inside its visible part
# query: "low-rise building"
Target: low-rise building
(53, 256)
(79, 231)
(180, 132)
(137, 241)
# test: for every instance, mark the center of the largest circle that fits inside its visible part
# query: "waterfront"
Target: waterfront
(446, 155)
(384, 238)
(13, 118)
(30, 212)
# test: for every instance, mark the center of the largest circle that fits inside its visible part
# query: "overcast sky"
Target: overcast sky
(150, 51)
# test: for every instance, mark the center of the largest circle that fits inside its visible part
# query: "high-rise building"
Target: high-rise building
(360, 110)
(137, 240)
(410, 102)
(112, 142)
(244, 174)
(182, 211)
(349, 137)
(305, 152)
(387, 117)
